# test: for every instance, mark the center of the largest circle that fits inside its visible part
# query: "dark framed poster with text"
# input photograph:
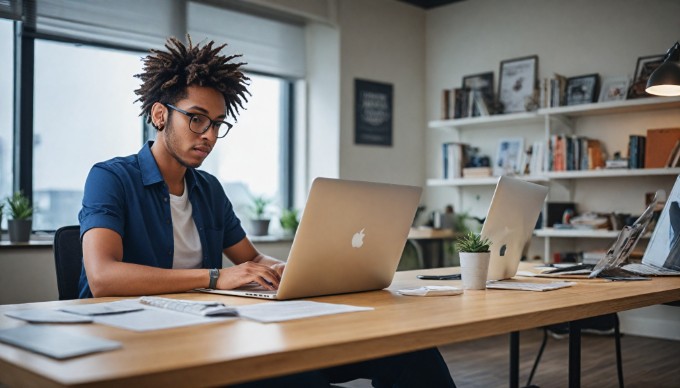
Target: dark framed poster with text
(372, 113)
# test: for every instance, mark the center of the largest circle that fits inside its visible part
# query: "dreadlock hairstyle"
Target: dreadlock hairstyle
(167, 74)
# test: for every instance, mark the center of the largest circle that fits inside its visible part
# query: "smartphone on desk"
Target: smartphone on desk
(455, 276)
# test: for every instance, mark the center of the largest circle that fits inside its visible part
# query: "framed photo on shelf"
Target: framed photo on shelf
(614, 89)
(517, 83)
(644, 68)
(582, 89)
(373, 113)
(483, 85)
(509, 157)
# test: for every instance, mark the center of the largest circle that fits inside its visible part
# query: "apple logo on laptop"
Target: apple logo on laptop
(358, 239)
(502, 251)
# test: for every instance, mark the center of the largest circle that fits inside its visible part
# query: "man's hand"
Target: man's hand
(268, 277)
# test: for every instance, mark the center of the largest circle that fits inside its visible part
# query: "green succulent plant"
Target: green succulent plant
(473, 242)
(19, 206)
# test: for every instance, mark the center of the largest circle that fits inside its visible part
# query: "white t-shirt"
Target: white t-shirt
(188, 249)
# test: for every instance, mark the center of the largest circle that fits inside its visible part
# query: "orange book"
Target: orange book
(659, 146)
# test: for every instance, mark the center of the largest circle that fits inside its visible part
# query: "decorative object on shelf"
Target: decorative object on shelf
(481, 88)
(289, 221)
(665, 80)
(614, 89)
(259, 223)
(517, 82)
(582, 89)
(643, 70)
(474, 253)
(373, 102)
(509, 156)
(20, 211)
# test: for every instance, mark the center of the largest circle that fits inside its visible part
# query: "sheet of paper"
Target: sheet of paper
(286, 311)
(505, 285)
(55, 342)
(47, 316)
(118, 307)
(431, 291)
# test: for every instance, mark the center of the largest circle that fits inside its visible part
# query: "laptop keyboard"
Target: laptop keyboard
(644, 269)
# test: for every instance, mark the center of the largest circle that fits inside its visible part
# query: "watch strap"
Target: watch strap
(214, 275)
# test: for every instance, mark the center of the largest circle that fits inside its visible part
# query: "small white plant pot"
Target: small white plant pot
(474, 267)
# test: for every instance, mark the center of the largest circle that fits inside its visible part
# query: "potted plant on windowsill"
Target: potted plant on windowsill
(21, 223)
(474, 255)
(289, 222)
(259, 224)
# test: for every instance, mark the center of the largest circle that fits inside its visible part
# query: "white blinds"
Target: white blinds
(131, 23)
(10, 9)
(267, 46)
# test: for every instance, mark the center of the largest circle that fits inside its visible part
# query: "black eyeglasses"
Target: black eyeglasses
(200, 123)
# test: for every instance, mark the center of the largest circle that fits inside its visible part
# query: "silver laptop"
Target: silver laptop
(350, 238)
(662, 256)
(510, 222)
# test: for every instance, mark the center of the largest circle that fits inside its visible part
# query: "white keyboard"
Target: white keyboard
(644, 269)
(189, 306)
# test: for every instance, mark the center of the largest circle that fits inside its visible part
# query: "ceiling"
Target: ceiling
(428, 4)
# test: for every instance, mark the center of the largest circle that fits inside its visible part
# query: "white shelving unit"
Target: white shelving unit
(551, 118)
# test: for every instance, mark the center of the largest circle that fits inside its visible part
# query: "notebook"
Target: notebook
(350, 239)
(510, 222)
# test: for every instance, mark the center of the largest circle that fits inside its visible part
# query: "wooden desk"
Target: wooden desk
(224, 353)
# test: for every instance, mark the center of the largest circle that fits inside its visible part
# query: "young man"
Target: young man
(151, 223)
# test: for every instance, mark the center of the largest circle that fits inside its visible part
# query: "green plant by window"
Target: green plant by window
(19, 206)
(259, 206)
(289, 219)
(473, 242)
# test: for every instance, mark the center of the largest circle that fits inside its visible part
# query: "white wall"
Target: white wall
(383, 41)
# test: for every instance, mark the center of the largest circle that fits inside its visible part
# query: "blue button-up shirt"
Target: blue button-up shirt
(129, 196)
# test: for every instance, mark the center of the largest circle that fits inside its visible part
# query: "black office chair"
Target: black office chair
(602, 323)
(68, 260)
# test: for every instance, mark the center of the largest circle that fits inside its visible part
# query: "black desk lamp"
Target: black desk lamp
(665, 80)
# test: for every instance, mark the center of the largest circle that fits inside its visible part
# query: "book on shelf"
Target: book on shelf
(574, 153)
(537, 162)
(556, 87)
(454, 158)
(476, 172)
(636, 151)
(460, 103)
(446, 104)
(661, 146)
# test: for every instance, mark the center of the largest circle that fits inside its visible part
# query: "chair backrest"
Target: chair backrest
(68, 260)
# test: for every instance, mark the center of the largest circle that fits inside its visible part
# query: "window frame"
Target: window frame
(25, 36)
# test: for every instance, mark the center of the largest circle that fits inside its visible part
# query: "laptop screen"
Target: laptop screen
(664, 246)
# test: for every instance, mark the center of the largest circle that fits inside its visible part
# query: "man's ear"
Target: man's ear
(158, 116)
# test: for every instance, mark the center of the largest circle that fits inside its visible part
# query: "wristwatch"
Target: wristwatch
(214, 275)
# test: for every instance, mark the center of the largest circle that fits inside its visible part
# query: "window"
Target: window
(6, 107)
(251, 160)
(83, 114)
